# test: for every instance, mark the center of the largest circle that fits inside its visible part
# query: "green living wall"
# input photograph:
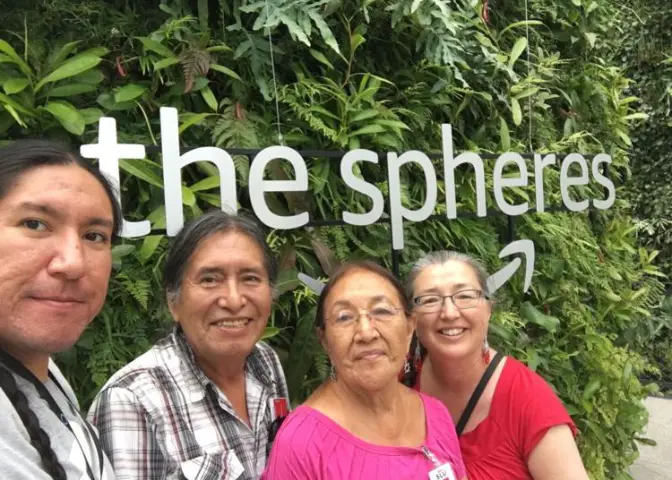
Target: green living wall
(376, 74)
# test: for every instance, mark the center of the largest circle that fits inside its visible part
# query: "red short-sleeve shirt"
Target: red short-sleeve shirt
(523, 408)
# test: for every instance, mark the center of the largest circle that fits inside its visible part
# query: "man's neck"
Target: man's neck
(225, 373)
(37, 364)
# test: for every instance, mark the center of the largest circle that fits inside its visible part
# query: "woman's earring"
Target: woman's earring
(332, 374)
(486, 351)
(407, 367)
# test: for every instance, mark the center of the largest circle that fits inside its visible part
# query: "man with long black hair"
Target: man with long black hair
(58, 215)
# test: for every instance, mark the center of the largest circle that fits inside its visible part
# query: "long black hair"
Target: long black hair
(17, 159)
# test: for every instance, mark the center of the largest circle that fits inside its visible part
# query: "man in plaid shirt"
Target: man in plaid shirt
(199, 404)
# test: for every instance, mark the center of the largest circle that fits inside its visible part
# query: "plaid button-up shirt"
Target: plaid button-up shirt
(160, 417)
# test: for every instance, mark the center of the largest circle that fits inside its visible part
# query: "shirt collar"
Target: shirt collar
(196, 380)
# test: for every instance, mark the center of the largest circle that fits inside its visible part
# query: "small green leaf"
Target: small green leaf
(207, 184)
(192, 119)
(532, 315)
(209, 98)
(188, 197)
(15, 58)
(67, 115)
(149, 245)
(270, 332)
(516, 112)
(15, 85)
(165, 63)
(591, 388)
(156, 47)
(225, 71)
(504, 135)
(368, 130)
(591, 38)
(517, 50)
(319, 56)
(364, 115)
(129, 92)
(143, 170)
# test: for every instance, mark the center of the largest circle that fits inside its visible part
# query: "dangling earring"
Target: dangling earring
(407, 366)
(486, 351)
(332, 374)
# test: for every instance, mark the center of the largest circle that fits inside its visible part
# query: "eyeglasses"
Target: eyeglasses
(348, 316)
(462, 300)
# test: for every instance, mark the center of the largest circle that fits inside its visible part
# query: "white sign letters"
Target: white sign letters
(109, 152)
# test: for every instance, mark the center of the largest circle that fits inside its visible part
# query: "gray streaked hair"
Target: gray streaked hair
(196, 231)
(442, 257)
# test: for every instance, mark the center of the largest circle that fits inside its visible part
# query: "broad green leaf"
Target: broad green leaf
(188, 197)
(368, 130)
(324, 29)
(93, 77)
(192, 119)
(364, 115)
(15, 58)
(4, 99)
(156, 47)
(120, 251)
(91, 115)
(206, 184)
(505, 138)
(141, 169)
(72, 67)
(319, 56)
(225, 71)
(14, 115)
(63, 53)
(15, 85)
(532, 315)
(165, 63)
(69, 90)
(591, 388)
(530, 23)
(517, 50)
(516, 112)
(270, 332)
(67, 115)
(209, 98)
(149, 245)
(129, 92)
(526, 93)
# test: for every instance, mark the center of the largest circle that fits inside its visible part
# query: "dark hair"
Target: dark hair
(38, 437)
(343, 270)
(197, 230)
(22, 156)
(17, 159)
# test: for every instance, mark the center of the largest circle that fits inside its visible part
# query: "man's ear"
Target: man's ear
(171, 300)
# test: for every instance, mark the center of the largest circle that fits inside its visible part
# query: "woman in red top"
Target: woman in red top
(517, 428)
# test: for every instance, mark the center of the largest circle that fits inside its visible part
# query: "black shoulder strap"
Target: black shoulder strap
(475, 397)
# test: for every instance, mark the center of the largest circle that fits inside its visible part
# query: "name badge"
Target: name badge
(444, 472)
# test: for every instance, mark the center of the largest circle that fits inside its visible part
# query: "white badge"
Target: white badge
(444, 472)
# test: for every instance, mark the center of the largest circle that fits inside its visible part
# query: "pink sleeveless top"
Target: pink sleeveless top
(311, 446)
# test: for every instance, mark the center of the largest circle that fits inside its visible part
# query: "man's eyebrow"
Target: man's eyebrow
(49, 211)
(40, 208)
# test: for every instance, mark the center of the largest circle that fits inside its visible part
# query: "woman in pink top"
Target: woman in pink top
(363, 424)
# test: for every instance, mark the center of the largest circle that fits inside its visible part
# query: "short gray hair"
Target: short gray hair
(442, 257)
(196, 231)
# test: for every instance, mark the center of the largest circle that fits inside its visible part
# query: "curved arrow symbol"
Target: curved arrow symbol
(494, 281)
(499, 278)
(315, 285)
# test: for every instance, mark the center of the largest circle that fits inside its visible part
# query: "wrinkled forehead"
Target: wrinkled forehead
(362, 287)
(450, 275)
(229, 251)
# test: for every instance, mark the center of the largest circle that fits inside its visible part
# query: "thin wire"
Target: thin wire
(529, 72)
(275, 84)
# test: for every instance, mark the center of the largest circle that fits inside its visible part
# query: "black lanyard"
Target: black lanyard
(464, 418)
(19, 369)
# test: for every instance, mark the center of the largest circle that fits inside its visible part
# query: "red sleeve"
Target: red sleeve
(540, 410)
